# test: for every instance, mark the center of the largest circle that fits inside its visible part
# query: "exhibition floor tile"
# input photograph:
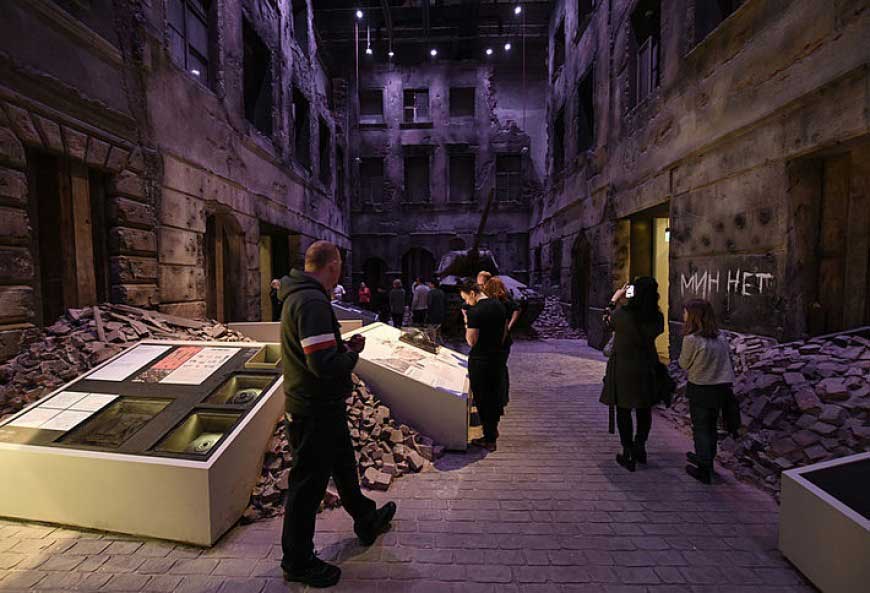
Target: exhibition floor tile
(549, 511)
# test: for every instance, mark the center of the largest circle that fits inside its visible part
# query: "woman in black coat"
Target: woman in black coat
(629, 383)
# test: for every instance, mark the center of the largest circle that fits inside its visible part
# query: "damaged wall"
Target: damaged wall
(719, 139)
(155, 156)
(392, 216)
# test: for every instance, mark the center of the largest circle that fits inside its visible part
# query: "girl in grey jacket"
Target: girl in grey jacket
(707, 358)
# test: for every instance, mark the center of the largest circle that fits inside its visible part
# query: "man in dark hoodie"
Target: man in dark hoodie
(317, 380)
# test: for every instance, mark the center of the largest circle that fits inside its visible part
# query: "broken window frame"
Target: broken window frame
(508, 181)
(421, 155)
(559, 49)
(324, 137)
(251, 103)
(301, 133)
(645, 63)
(585, 10)
(558, 159)
(455, 103)
(371, 184)
(180, 38)
(705, 26)
(303, 41)
(371, 117)
(418, 111)
(456, 158)
(586, 113)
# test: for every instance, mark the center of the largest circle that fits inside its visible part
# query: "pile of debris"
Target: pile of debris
(801, 403)
(83, 338)
(385, 451)
(552, 323)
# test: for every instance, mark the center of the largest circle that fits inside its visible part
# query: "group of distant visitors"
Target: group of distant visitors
(636, 379)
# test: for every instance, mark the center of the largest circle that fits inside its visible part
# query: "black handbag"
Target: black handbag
(665, 386)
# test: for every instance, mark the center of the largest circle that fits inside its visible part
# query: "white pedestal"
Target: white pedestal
(431, 395)
(828, 541)
(147, 495)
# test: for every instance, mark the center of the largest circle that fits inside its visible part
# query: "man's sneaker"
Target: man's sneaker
(377, 523)
(314, 573)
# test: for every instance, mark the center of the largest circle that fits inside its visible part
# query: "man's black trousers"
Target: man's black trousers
(321, 448)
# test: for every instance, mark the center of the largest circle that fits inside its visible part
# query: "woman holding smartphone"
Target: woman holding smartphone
(629, 382)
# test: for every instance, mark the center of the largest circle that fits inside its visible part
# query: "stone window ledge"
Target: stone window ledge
(416, 125)
(372, 126)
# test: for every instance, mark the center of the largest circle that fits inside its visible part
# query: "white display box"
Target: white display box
(169, 498)
(821, 530)
(426, 391)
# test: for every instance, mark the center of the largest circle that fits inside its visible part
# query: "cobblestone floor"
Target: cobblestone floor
(550, 511)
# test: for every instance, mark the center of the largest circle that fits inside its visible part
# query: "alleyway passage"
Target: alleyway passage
(550, 511)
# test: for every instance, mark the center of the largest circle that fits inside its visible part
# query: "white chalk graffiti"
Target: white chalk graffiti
(739, 282)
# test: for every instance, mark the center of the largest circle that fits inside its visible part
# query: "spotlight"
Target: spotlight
(195, 72)
(489, 51)
(507, 46)
(433, 52)
(518, 9)
(391, 53)
(368, 51)
(359, 14)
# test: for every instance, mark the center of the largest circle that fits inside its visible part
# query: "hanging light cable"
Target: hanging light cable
(368, 40)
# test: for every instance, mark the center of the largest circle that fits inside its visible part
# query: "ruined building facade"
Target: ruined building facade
(722, 147)
(434, 142)
(173, 155)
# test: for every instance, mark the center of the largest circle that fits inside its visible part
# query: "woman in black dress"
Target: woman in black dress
(495, 289)
(486, 325)
(629, 383)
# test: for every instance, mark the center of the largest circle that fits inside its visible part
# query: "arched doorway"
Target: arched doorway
(581, 274)
(375, 273)
(417, 262)
(223, 268)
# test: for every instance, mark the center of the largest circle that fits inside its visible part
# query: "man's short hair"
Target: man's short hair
(320, 255)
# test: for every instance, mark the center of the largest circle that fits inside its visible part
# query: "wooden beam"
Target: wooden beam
(83, 237)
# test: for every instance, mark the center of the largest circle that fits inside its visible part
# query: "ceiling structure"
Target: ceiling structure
(456, 29)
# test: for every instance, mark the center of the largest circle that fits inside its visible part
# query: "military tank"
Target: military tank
(457, 266)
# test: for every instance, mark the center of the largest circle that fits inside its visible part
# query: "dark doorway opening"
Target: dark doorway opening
(581, 277)
(223, 266)
(70, 243)
(417, 263)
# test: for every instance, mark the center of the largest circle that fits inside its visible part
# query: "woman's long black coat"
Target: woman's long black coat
(630, 378)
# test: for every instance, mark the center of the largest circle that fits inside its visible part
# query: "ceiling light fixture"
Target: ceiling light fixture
(369, 51)
(489, 51)
(507, 46)
(518, 10)
(359, 14)
(433, 52)
(391, 53)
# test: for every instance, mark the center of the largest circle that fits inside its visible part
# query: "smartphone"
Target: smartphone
(629, 291)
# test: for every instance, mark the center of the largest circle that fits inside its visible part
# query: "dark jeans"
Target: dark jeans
(321, 448)
(506, 381)
(397, 319)
(419, 316)
(704, 432)
(627, 436)
(486, 376)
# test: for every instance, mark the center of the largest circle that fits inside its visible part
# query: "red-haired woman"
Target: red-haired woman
(707, 359)
(495, 289)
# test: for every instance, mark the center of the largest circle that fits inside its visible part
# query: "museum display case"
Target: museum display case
(824, 522)
(198, 433)
(268, 357)
(239, 390)
(174, 430)
(424, 389)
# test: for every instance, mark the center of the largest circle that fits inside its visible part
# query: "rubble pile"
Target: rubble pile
(801, 403)
(385, 452)
(552, 323)
(83, 338)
